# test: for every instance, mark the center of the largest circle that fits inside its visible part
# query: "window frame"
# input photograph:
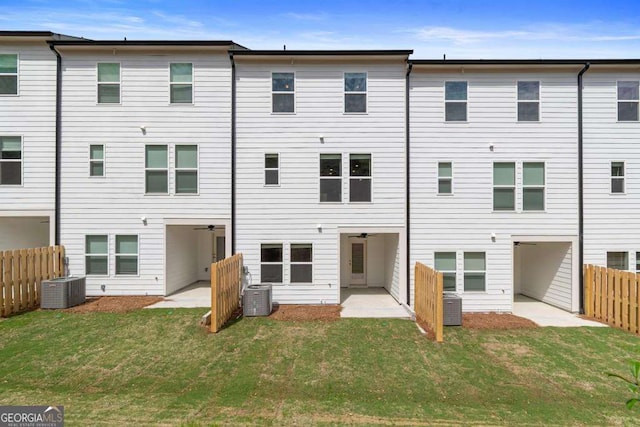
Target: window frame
(171, 102)
(628, 259)
(293, 92)
(637, 261)
(619, 178)
(281, 263)
(176, 169)
(345, 93)
(98, 83)
(21, 161)
(465, 101)
(537, 186)
(87, 255)
(265, 169)
(116, 255)
(444, 178)
(294, 263)
(17, 74)
(529, 101)
(465, 271)
(501, 186)
(146, 169)
(95, 161)
(626, 101)
(336, 178)
(355, 177)
(454, 271)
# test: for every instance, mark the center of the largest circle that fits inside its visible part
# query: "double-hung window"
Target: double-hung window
(186, 169)
(455, 101)
(445, 178)
(637, 262)
(271, 270)
(156, 169)
(330, 177)
(126, 255)
(96, 160)
(445, 262)
(533, 186)
(96, 249)
(360, 178)
(528, 101)
(283, 94)
(10, 160)
(181, 83)
(108, 83)
(271, 169)
(8, 74)
(504, 186)
(628, 96)
(355, 92)
(301, 263)
(618, 260)
(475, 271)
(617, 177)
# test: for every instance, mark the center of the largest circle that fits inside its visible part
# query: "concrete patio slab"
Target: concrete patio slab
(548, 315)
(195, 295)
(370, 303)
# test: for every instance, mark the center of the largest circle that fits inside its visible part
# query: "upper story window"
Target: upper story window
(8, 74)
(355, 92)
(181, 83)
(360, 178)
(330, 177)
(283, 92)
(156, 169)
(455, 105)
(533, 186)
(10, 160)
(271, 169)
(108, 83)
(617, 177)
(445, 178)
(618, 260)
(504, 186)
(186, 169)
(96, 160)
(628, 101)
(528, 101)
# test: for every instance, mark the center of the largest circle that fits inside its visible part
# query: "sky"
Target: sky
(459, 29)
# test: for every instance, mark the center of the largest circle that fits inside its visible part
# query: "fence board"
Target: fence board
(226, 281)
(429, 299)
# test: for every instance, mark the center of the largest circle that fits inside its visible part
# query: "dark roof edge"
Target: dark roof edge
(523, 61)
(55, 36)
(320, 52)
(86, 42)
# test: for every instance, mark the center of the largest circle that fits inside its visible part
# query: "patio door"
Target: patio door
(358, 261)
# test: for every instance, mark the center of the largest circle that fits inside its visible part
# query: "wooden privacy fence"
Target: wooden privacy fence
(429, 299)
(22, 271)
(612, 296)
(226, 281)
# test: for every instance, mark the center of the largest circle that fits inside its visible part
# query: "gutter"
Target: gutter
(581, 189)
(408, 181)
(233, 153)
(58, 142)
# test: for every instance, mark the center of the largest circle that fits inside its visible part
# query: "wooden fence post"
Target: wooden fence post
(214, 297)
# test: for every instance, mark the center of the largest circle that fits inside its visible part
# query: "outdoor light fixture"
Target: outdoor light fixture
(143, 219)
(321, 139)
(491, 146)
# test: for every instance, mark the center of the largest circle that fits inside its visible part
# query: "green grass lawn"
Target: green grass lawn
(159, 367)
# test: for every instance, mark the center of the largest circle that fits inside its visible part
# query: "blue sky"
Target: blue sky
(457, 28)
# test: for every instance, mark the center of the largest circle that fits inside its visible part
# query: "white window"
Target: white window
(96, 160)
(283, 95)
(475, 273)
(330, 177)
(301, 263)
(528, 101)
(355, 92)
(126, 255)
(10, 160)
(186, 169)
(533, 186)
(637, 262)
(8, 74)
(108, 83)
(455, 105)
(628, 97)
(96, 249)
(181, 83)
(504, 186)
(618, 260)
(271, 169)
(445, 178)
(271, 263)
(617, 177)
(360, 178)
(445, 262)
(156, 173)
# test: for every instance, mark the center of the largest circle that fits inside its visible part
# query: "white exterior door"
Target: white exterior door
(358, 261)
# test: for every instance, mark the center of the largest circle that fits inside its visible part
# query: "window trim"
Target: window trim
(514, 186)
(107, 254)
(265, 169)
(622, 178)
(370, 177)
(116, 255)
(340, 178)
(156, 169)
(192, 83)
(454, 271)
(281, 263)
(445, 100)
(294, 91)
(618, 101)
(465, 271)
(292, 263)
(365, 93)
(637, 270)
(17, 74)
(539, 101)
(21, 161)
(103, 161)
(543, 187)
(176, 169)
(98, 83)
(445, 178)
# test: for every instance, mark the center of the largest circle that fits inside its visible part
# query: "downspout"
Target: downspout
(581, 190)
(58, 142)
(233, 153)
(408, 181)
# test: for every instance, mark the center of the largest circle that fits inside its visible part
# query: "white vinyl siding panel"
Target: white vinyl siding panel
(546, 273)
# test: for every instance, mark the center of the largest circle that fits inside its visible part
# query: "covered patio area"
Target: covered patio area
(371, 303)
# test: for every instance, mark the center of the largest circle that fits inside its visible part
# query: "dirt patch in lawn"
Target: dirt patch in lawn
(114, 304)
(495, 321)
(298, 313)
